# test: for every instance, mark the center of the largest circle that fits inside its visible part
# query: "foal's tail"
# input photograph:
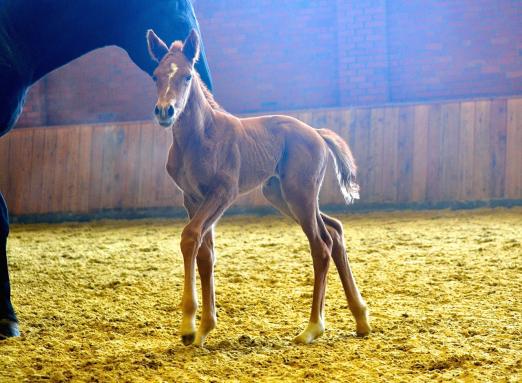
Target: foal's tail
(345, 167)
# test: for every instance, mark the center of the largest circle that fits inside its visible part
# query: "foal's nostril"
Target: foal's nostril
(156, 110)
(170, 111)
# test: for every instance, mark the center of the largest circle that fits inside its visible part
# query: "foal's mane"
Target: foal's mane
(208, 94)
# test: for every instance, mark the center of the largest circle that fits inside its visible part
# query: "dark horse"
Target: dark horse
(37, 37)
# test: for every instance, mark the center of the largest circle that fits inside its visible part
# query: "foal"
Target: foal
(216, 156)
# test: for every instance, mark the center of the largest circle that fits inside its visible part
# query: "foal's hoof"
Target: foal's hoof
(188, 339)
(8, 329)
(363, 328)
(312, 332)
(363, 331)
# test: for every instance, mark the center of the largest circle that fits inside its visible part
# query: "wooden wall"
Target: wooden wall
(456, 151)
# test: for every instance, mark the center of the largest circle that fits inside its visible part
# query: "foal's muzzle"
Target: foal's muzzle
(164, 115)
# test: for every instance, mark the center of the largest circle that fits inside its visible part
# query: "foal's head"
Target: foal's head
(173, 75)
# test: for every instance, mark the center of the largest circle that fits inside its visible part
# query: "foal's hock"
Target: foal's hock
(215, 157)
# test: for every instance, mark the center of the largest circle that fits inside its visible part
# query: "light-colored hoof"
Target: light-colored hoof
(363, 327)
(310, 333)
(204, 329)
(199, 340)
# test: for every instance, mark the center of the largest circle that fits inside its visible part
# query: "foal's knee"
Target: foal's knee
(190, 239)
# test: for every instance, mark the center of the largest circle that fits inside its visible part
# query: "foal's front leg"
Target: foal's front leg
(192, 236)
(206, 260)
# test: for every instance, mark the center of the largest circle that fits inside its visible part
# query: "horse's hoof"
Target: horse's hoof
(363, 328)
(312, 332)
(8, 329)
(188, 339)
(364, 331)
(362, 334)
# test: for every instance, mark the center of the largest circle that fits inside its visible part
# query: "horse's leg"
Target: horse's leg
(273, 193)
(206, 260)
(207, 213)
(302, 202)
(355, 300)
(8, 320)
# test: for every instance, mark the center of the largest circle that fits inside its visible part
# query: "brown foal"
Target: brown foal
(215, 157)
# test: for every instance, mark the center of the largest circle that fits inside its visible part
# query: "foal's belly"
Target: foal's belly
(248, 182)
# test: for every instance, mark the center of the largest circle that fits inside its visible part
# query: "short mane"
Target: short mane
(208, 94)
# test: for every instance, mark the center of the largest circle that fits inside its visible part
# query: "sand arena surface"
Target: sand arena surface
(100, 302)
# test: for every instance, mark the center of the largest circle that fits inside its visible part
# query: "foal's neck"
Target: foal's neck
(196, 115)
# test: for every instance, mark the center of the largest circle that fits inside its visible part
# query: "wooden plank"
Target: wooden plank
(305, 116)
(20, 157)
(4, 163)
(111, 174)
(449, 149)
(405, 153)
(360, 127)
(319, 119)
(96, 169)
(162, 181)
(48, 170)
(433, 190)
(497, 138)
(340, 121)
(146, 187)
(71, 140)
(129, 159)
(375, 160)
(466, 147)
(84, 169)
(60, 170)
(328, 193)
(37, 171)
(12, 184)
(481, 169)
(464, 151)
(420, 153)
(389, 155)
(514, 152)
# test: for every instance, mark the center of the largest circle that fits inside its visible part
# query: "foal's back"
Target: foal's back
(269, 144)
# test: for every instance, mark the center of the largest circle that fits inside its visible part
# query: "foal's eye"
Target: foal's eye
(188, 78)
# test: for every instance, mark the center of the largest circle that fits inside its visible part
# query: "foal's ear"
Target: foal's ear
(191, 46)
(157, 48)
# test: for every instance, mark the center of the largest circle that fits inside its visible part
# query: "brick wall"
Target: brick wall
(363, 54)
(268, 55)
(271, 55)
(454, 49)
(104, 85)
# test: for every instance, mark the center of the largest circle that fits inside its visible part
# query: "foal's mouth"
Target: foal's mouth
(166, 123)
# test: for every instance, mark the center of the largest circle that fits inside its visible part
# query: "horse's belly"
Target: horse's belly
(251, 181)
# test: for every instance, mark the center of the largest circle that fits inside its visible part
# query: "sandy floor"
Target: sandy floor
(99, 302)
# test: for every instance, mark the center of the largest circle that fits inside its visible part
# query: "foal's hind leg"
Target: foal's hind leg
(355, 301)
(302, 203)
(273, 193)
